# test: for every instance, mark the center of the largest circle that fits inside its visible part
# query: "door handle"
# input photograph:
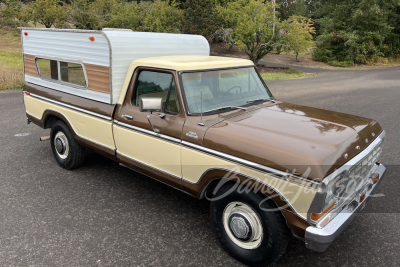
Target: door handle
(128, 117)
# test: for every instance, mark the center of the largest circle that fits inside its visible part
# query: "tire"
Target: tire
(66, 150)
(267, 247)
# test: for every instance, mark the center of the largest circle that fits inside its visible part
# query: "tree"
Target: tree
(392, 41)
(251, 22)
(288, 8)
(11, 13)
(297, 34)
(86, 14)
(199, 18)
(353, 31)
(147, 16)
(285, 8)
(128, 16)
(47, 12)
(249, 25)
(163, 17)
(300, 8)
(82, 15)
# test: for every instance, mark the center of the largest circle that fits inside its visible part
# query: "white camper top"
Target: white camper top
(105, 55)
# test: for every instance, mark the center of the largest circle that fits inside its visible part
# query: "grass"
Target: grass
(11, 74)
(286, 75)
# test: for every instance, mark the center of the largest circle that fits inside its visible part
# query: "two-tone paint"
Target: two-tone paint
(255, 147)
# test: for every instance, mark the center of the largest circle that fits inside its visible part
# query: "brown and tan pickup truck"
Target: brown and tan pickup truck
(208, 126)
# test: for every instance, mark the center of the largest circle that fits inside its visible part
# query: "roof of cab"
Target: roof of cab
(182, 63)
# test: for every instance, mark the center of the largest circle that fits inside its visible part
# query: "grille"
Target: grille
(360, 171)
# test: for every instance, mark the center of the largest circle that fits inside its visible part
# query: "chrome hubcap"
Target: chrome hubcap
(61, 144)
(242, 225)
(239, 227)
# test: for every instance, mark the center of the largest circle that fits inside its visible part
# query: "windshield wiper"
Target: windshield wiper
(262, 99)
(227, 107)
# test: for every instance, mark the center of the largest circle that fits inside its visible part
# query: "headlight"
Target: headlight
(336, 194)
(337, 190)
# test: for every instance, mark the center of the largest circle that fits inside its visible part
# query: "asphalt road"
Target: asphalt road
(105, 215)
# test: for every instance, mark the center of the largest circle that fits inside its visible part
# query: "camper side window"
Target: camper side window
(47, 68)
(72, 73)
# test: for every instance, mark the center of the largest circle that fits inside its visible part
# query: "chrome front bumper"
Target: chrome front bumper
(319, 239)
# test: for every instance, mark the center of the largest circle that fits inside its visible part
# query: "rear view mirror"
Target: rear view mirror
(228, 75)
(151, 104)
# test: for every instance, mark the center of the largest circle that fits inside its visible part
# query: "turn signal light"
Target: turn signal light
(317, 216)
(91, 38)
(376, 178)
(325, 221)
(362, 197)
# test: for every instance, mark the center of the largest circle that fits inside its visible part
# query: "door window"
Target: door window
(160, 85)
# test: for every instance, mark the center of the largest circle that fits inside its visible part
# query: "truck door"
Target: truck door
(153, 153)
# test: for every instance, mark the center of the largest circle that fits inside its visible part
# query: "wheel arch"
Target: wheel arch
(51, 116)
(213, 177)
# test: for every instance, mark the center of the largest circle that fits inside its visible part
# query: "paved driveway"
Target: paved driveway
(105, 215)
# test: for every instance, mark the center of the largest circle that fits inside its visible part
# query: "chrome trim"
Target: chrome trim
(72, 107)
(129, 117)
(187, 144)
(147, 165)
(57, 30)
(59, 81)
(151, 104)
(237, 232)
(320, 195)
(251, 178)
(246, 163)
(152, 127)
(80, 136)
(319, 239)
(144, 131)
(347, 166)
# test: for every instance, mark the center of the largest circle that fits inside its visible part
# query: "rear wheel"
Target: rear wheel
(66, 150)
(248, 228)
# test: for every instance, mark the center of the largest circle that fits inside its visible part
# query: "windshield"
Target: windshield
(223, 88)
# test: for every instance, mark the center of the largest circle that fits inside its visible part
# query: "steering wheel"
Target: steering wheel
(234, 88)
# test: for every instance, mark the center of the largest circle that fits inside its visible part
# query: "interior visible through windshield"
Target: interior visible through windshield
(223, 88)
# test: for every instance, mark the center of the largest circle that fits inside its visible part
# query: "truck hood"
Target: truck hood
(305, 141)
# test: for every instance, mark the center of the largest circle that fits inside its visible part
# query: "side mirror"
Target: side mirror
(151, 104)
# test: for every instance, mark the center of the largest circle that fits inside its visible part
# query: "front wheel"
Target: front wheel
(66, 150)
(249, 229)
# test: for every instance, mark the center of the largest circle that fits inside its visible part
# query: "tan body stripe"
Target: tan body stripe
(84, 125)
(196, 163)
(190, 164)
(149, 150)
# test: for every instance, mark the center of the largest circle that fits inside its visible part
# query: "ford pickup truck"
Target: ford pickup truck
(209, 126)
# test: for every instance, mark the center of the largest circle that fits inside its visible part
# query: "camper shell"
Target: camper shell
(104, 56)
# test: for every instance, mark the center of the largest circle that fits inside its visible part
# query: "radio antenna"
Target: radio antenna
(201, 123)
